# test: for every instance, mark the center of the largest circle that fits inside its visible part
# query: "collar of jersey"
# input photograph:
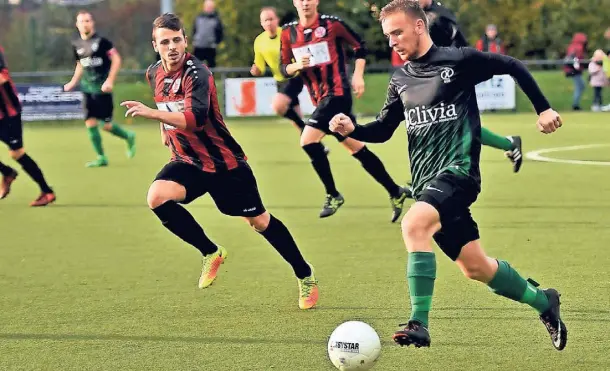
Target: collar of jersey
(426, 57)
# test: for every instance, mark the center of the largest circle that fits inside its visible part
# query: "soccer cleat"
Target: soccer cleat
(308, 291)
(44, 199)
(331, 205)
(131, 145)
(414, 333)
(99, 162)
(515, 155)
(6, 184)
(552, 320)
(398, 202)
(211, 264)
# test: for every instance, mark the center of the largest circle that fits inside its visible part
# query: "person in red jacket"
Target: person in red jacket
(573, 66)
(490, 42)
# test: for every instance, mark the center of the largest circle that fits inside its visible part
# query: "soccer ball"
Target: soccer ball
(354, 345)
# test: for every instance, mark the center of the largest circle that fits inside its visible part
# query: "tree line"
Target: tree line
(39, 38)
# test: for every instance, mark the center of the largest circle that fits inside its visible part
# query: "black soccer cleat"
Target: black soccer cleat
(414, 333)
(331, 205)
(399, 201)
(515, 155)
(552, 320)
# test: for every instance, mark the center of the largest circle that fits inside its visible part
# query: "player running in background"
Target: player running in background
(313, 47)
(97, 65)
(444, 31)
(267, 53)
(205, 159)
(435, 93)
(11, 133)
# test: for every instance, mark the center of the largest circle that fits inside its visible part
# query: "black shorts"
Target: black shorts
(98, 106)
(451, 195)
(11, 132)
(235, 191)
(327, 108)
(291, 88)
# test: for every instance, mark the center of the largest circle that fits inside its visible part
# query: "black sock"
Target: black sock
(280, 238)
(181, 223)
(320, 163)
(373, 165)
(30, 167)
(292, 115)
(5, 170)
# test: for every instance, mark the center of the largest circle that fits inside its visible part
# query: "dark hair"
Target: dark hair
(410, 7)
(83, 11)
(169, 21)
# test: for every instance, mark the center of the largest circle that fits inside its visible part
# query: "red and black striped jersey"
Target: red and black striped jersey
(323, 40)
(206, 142)
(9, 100)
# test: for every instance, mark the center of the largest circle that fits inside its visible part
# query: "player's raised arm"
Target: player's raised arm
(378, 131)
(485, 65)
(346, 33)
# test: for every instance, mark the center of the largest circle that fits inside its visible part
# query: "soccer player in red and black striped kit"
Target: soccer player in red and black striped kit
(11, 133)
(313, 46)
(205, 159)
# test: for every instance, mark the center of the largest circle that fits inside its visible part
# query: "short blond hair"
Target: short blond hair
(409, 7)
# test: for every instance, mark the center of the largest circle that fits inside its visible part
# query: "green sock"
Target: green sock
(96, 139)
(421, 273)
(508, 283)
(494, 140)
(119, 131)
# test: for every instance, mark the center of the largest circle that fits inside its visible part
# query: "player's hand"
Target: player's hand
(107, 86)
(137, 109)
(341, 124)
(358, 85)
(304, 62)
(69, 86)
(549, 121)
(255, 71)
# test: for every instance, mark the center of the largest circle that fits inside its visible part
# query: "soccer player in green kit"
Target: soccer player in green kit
(435, 94)
(97, 65)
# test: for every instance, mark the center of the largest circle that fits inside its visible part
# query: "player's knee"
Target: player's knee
(415, 229)
(259, 223)
(476, 272)
(17, 154)
(91, 123)
(108, 126)
(155, 199)
(279, 107)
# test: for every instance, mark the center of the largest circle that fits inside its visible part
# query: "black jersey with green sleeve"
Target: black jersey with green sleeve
(94, 56)
(435, 96)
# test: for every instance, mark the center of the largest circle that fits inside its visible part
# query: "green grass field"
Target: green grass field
(94, 282)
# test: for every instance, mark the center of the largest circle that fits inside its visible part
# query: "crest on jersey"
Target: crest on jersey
(446, 74)
(95, 46)
(320, 32)
(176, 85)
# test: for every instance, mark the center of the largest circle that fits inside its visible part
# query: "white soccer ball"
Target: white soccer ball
(354, 345)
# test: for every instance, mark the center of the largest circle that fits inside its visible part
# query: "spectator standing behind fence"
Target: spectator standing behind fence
(207, 33)
(574, 66)
(598, 78)
(490, 42)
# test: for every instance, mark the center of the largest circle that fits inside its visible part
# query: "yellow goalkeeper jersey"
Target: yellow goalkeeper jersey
(267, 53)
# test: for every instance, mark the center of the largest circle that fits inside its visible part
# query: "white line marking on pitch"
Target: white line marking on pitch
(537, 155)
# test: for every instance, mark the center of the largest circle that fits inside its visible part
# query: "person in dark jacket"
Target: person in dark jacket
(574, 66)
(207, 34)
